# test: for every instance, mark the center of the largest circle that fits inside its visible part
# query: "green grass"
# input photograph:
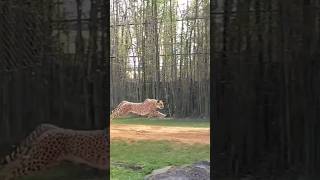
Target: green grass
(197, 123)
(152, 155)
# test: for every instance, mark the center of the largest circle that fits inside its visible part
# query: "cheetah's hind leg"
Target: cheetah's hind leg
(22, 148)
(45, 153)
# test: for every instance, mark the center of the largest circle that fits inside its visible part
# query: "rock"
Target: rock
(196, 171)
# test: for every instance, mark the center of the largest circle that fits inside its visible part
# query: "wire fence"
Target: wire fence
(52, 70)
(22, 33)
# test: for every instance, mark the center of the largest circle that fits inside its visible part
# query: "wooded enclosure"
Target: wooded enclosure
(266, 87)
(160, 49)
(53, 65)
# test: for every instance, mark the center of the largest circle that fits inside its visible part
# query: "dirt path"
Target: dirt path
(142, 132)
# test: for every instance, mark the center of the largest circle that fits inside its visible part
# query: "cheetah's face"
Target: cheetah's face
(160, 104)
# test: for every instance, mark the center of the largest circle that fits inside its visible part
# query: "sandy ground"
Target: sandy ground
(187, 135)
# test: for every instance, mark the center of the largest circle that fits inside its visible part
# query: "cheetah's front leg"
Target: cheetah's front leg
(161, 115)
(156, 114)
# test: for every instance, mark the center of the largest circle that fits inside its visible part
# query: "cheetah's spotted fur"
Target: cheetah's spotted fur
(58, 144)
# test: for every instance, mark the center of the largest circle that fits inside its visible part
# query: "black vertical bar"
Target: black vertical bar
(106, 84)
(213, 91)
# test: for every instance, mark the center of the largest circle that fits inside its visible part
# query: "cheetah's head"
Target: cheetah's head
(160, 104)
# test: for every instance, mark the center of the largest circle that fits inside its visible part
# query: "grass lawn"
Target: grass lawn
(200, 123)
(150, 155)
(141, 157)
